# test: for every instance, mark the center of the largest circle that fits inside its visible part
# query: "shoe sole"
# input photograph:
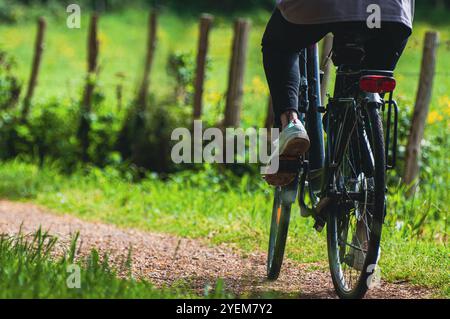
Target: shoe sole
(280, 179)
(295, 148)
(292, 151)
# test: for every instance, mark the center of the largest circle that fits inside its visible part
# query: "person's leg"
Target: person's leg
(282, 43)
(385, 49)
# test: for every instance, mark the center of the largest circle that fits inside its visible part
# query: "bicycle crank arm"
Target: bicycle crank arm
(316, 211)
(323, 203)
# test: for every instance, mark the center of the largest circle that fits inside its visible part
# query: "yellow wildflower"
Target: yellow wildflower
(444, 104)
(434, 117)
(103, 39)
(447, 110)
(213, 97)
(259, 86)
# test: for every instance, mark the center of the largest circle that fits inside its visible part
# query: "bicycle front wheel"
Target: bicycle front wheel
(355, 219)
(281, 214)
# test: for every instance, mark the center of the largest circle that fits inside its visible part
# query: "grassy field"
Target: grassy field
(122, 46)
(213, 206)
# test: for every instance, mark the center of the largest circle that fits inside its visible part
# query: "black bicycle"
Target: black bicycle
(341, 181)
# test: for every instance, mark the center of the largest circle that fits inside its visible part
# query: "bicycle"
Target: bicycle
(341, 180)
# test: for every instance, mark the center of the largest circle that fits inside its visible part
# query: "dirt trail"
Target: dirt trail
(164, 259)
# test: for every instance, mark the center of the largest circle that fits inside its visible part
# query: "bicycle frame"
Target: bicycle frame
(316, 169)
(310, 104)
(313, 117)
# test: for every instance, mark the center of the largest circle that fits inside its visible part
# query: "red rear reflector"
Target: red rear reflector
(377, 84)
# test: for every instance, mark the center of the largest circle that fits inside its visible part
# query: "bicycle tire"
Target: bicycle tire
(336, 212)
(278, 235)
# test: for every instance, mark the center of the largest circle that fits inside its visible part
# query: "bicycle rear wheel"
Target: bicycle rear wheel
(355, 222)
(281, 214)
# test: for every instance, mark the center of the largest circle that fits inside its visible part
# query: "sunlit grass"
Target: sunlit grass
(30, 269)
(200, 205)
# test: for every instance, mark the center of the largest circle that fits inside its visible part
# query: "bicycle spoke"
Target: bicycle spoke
(355, 247)
(354, 232)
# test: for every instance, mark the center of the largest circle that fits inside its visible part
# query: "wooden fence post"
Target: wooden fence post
(236, 75)
(151, 46)
(86, 106)
(205, 27)
(325, 65)
(131, 142)
(421, 108)
(38, 49)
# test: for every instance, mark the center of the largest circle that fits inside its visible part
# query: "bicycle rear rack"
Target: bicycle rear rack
(392, 110)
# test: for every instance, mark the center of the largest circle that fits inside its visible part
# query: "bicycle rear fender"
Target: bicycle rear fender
(372, 98)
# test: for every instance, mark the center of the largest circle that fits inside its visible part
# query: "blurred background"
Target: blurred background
(79, 124)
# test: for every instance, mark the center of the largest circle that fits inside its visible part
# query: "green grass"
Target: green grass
(28, 269)
(208, 205)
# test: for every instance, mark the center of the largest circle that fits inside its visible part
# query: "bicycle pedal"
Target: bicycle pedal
(319, 225)
(305, 212)
(289, 166)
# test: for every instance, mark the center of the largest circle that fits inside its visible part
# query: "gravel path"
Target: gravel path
(164, 259)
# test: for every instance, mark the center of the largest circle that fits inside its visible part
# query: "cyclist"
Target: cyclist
(297, 24)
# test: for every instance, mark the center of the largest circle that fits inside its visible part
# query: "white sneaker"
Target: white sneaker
(292, 143)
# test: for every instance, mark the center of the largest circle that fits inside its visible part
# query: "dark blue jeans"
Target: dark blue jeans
(283, 41)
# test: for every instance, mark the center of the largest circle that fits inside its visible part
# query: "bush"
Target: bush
(181, 66)
(145, 138)
(10, 85)
(51, 132)
(10, 88)
(9, 12)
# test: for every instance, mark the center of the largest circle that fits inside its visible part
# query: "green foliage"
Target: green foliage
(10, 85)
(10, 88)
(9, 12)
(181, 66)
(103, 124)
(145, 138)
(49, 132)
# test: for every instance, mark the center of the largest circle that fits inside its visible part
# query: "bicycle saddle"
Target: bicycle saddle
(348, 49)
